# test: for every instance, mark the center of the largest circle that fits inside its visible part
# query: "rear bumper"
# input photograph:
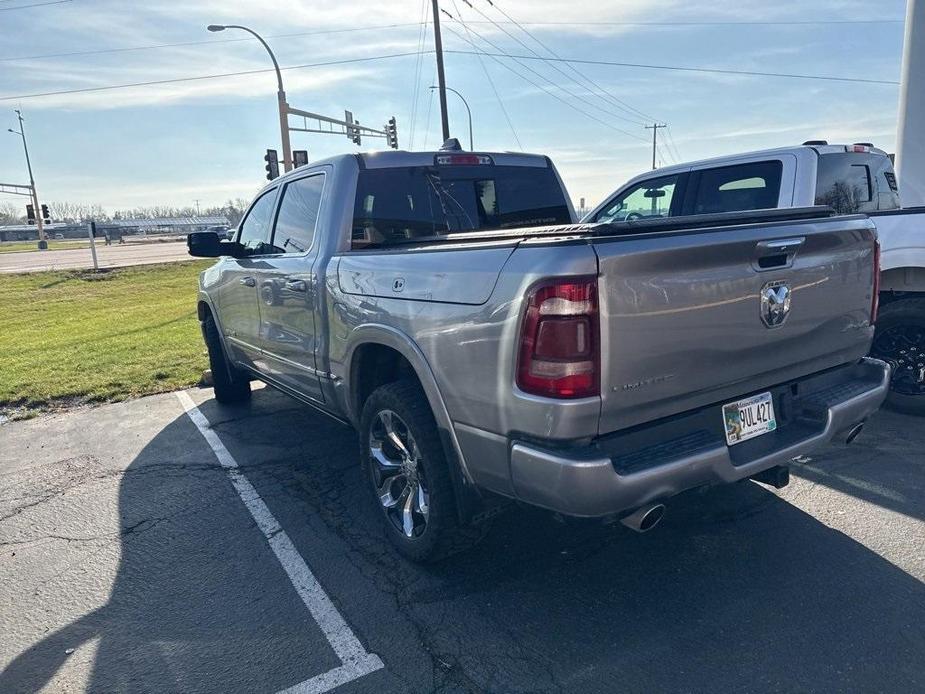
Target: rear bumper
(623, 471)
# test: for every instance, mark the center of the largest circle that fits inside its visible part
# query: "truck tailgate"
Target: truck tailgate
(683, 323)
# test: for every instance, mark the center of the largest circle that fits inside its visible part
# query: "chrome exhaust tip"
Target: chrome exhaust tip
(853, 434)
(644, 518)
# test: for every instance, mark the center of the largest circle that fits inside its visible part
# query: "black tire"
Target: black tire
(231, 385)
(900, 341)
(441, 533)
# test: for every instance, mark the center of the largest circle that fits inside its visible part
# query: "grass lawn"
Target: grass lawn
(53, 245)
(74, 337)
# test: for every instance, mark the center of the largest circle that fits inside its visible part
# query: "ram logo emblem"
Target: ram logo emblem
(775, 303)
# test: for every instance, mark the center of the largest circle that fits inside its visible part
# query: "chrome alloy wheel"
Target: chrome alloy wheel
(398, 474)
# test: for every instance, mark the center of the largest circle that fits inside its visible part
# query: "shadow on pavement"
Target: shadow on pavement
(884, 467)
(199, 603)
(736, 590)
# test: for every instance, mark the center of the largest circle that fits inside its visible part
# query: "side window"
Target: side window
(254, 234)
(645, 200)
(844, 183)
(298, 215)
(753, 186)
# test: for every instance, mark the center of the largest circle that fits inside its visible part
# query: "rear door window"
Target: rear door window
(646, 200)
(298, 215)
(738, 188)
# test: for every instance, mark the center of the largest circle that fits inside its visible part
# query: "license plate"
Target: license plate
(749, 418)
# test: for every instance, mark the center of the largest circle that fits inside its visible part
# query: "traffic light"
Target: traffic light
(272, 166)
(46, 215)
(356, 133)
(391, 133)
(30, 214)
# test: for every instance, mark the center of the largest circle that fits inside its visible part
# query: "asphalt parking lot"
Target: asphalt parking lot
(133, 558)
(107, 256)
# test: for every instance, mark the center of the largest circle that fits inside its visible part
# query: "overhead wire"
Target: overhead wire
(182, 44)
(415, 95)
(196, 78)
(634, 114)
(36, 4)
(671, 143)
(494, 88)
(502, 54)
(720, 71)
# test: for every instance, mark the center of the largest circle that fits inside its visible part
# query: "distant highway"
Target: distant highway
(107, 256)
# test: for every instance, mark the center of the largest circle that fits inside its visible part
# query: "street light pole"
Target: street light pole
(466, 104)
(35, 198)
(280, 93)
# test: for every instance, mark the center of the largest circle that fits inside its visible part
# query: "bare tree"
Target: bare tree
(11, 213)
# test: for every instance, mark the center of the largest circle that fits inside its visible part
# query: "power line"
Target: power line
(430, 105)
(204, 77)
(521, 76)
(209, 42)
(672, 146)
(417, 73)
(574, 96)
(594, 87)
(806, 22)
(37, 4)
(644, 66)
(491, 82)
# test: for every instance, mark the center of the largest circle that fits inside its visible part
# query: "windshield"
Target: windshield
(432, 202)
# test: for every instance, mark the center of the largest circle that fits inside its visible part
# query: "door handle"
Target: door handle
(248, 281)
(296, 285)
(779, 253)
(780, 246)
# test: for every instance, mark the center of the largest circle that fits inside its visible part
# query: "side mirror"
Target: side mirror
(654, 193)
(203, 244)
(208, 244)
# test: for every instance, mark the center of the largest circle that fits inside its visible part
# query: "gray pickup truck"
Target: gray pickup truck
(487, 347)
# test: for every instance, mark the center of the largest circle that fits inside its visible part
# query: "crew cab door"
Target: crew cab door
(237, 294)
(287, 289)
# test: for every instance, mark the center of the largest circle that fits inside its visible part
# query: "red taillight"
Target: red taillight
(559, 341)
(463, 159)
(875, 300)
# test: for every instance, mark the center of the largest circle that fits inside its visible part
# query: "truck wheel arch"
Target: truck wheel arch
(378, 342)
(904, 278)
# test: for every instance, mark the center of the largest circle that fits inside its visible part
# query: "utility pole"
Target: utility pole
(198, 213)
(441, 78)
(654, 128)
(43, 244)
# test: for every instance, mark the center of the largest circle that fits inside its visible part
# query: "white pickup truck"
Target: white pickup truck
(852, 179)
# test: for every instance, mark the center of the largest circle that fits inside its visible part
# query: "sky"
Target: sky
(204, 139)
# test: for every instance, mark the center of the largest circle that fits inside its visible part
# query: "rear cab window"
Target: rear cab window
(418, 203)
(851, 182)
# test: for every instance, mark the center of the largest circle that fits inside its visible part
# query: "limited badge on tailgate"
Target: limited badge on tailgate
(749, 418)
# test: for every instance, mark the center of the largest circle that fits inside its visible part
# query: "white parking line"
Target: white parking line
(356, 660)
